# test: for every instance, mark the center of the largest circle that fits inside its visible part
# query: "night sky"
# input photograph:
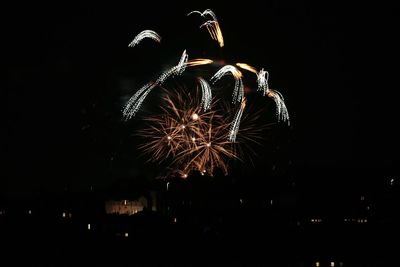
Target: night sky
(69, 70)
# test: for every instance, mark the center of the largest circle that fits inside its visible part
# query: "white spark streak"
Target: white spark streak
(234, 129)
(134, 103)
(176, 70)
(182, 63)
(238, 91)
(212, 25)
(262, 80)
(145, 34)
(206, 94)
(204, 13)
(281, 110)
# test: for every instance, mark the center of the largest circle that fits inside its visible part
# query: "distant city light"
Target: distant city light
(184, 175)
(332, 264)
(126, 234)
(29, 212)
(362, 198)
(317, 264)
(125, 202)
(175, 220)
(63, 214)
(241, 201)
(391, 182)
(167, 186)
(271, 202)
(88, 226)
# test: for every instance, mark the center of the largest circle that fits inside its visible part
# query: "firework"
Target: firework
(238, 92)
(195, 129)
(234, 129)
(246, 67)
(212, 25)
(145, 34)
(206, 94)
(262, 80)
(192, 138)
(281, 110)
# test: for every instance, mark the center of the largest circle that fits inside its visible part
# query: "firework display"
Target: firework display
(196, 129)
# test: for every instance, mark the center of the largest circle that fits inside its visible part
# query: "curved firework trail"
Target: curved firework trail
(145, 34)
(195, 128)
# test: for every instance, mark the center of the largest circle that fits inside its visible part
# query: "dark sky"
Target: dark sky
(68, 67)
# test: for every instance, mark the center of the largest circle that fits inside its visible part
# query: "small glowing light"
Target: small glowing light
(193, 139)
(183, 126)
(63, 214)
(362, 198)
(88, 226)
(29, 212)
(169, 137)
(184, 175)
(332, 264)
(312, 220)
(204, 171)
(195, 117)
(271, 202)
(317, 264)
(70, 215)
(125, 202)
(368, 208)
(241, 201)
(175, 220)
(126, 234)
(208, 144)
(391, 181)
(167, 186)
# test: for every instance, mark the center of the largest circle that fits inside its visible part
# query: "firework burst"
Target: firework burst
(195, 128)
(190, 138)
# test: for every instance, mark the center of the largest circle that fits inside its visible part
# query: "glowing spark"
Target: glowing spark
(236, 122)
(246, 67)
(145, 34)
(198, 62)
(206, 94)
(238, 92)
(195, 116)
(212, 25)
(281, 110)
(262, 80)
